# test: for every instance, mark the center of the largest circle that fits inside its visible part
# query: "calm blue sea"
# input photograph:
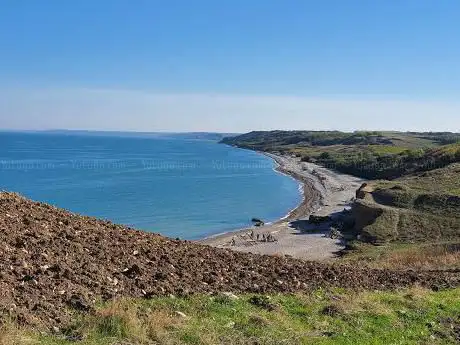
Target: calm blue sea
(180, 188)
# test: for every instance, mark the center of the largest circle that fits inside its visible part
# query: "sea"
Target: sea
(179, 187)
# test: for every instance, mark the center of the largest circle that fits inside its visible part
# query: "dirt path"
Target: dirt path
(327, 193)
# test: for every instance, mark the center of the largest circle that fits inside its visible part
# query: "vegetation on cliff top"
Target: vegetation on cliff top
(269, 140)
(414, 219)
(372, 155)
(419, 208)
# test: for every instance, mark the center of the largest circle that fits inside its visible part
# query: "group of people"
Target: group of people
(268, 237)
(262, 238)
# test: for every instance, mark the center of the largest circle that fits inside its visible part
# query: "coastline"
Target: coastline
(324, 192)
(311, 197)
(311, 200)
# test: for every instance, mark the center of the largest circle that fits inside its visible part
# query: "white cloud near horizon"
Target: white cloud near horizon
(122, 110)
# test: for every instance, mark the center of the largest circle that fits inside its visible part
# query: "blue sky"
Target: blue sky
(230, 65)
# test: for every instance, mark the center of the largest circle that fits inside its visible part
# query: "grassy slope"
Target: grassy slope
(422, 208)
(265, 140)
(429, 256)
(381, 161)
(445, 181)
(413, 316)
(278, 139)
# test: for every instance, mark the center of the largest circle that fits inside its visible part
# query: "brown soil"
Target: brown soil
(53, 262)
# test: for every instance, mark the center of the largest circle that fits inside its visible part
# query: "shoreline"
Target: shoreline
(311, 197)
(324, 193)
(307, 205)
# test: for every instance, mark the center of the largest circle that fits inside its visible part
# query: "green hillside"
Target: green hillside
(415, 220)
(273, 140)
(422, 207)
(372, 155)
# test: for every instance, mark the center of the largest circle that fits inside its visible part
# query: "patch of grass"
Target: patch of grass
(419, 208)
(414, 316)
(432, 256)
(439, 181)
(380, 224)
(387, 149)
(10, 334)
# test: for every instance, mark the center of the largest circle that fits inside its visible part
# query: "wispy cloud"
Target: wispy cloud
(148, 111)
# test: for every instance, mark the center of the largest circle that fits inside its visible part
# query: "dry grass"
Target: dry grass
(10, 334)
(427, 257)
(415, 256)
(400, 256)
(125, 319)
(7, 335)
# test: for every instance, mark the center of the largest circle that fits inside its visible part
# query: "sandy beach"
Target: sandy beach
(326, 193)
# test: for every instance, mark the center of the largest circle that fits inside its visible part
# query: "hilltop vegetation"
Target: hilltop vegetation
(273, 140)
(414, 219)
(417, 208)
(372, 155)
(389, 162)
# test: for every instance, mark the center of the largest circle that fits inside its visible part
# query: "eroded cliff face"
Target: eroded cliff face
(363, 191)
(365, 214)
(402, 214)
(373, 223)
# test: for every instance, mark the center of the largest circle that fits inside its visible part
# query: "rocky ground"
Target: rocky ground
(53, 262)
